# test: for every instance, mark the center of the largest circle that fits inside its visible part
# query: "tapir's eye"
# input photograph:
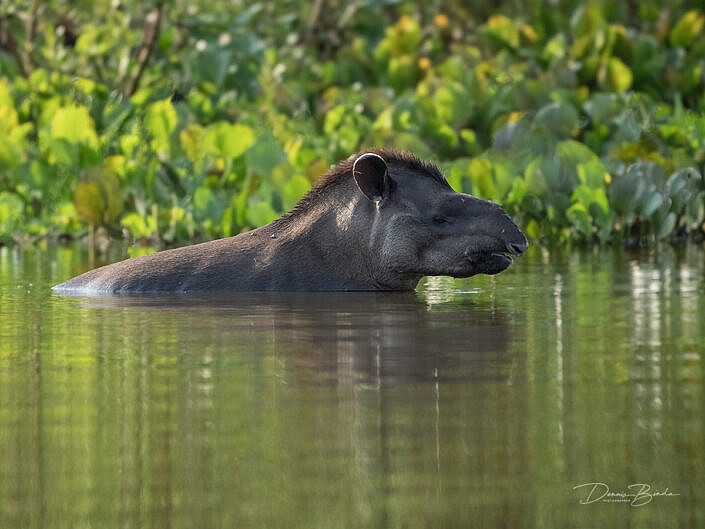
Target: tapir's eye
(439, 219)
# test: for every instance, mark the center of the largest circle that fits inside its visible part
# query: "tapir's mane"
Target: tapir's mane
(342, 172)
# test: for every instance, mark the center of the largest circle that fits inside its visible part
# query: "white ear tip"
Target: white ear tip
(368, 155)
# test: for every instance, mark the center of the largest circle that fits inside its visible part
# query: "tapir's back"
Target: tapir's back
(200, 267)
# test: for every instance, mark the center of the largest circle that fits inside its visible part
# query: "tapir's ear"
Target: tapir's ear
(370, 173)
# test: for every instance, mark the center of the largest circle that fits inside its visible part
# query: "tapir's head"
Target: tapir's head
(421, 227)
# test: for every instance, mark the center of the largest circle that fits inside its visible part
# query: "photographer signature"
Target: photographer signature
(636, 494)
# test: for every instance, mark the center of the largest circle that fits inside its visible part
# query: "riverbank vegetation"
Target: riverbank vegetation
(167, 122)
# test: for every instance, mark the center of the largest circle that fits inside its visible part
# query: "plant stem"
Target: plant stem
(151, 32)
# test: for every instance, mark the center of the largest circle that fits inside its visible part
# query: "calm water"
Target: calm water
(471, 403)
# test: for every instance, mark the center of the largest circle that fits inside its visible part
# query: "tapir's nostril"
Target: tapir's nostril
(517, 248)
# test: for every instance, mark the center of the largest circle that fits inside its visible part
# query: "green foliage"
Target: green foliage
(588, 126)
(98, 200)
(11, 213)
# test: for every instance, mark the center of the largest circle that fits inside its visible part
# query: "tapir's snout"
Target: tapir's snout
(516, 247)
(496, 239)
(498, 223)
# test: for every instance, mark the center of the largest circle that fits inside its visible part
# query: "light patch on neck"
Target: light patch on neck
(344, 214)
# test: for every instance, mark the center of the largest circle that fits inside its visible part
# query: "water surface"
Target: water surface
(470, 403)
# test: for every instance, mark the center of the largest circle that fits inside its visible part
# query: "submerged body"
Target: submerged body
(264, 259)
(380, 221)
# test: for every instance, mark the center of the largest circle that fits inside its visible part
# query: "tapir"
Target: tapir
(380, 220)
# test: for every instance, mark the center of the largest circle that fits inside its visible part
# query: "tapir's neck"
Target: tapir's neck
(331, 241)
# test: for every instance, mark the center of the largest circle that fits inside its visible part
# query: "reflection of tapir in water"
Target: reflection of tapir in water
(327, 337)
(395, 338)
(378, 222)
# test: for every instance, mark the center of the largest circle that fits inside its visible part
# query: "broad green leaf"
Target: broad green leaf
(128, 144)
(586, 196)
(533, 230)
(665, 227)
(627, 191)
(260, 212)
(295, 188)
(616, 76)
(653, 203)
(65, 218)
(402, 72)
(695, 211)
(447, 135)
(348, 138)
(5, 97)
(454, 177)
(88, 201)
(11, 207)
(603, 108)
(534, 177)
(576, 152)
(580, 218)
(202, 198)
(333, 119)
(406, 35)
(160, 121)
(385, 120)
(502, 30)
(292, 148)
(593, 174)
(555, 48)
(139, 225)
(517, 193)
(264, 155)
(190, 142)
(228, 141)
(480, 170)
(503, 175)
(98, 201)
(74, 124)
(688, 29)
(12, 137)
(587, 19)
(559, 118)
(470, 139)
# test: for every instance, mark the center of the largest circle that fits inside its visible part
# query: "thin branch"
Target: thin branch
(313, 19)
(7, 42)
(31, 30)
(151, 32)
(348, 13)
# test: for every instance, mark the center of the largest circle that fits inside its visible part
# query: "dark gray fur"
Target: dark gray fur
(382, 229)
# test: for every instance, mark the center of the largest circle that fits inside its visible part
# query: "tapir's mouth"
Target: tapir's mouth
(490, 255)
(506, 255)
(494, 260)
(491, 262)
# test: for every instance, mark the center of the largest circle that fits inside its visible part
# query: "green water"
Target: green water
(471, 403)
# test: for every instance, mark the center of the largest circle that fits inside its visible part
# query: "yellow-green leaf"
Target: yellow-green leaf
(160, 121)
(139, 225)
(89, 203)
(98, 201)
(228, 141)
(480, 171)
(619, 76)
(5, 97)
(74, 124)
(688, 29)
(10, 211)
